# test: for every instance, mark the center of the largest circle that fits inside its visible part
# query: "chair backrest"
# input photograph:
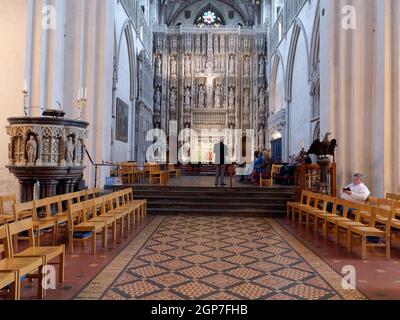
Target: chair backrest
(362, 210)
(386, 204)
(83, 195)
(21, 226)
(276, 169)
(98, 206)
(6, 204)
(5, 239)
(88, 208)
(55, 203)
(75, 197)
(394, 196)
(382, 213)
(42, 205)
(372, 201)
(75, 210)
(24, 210)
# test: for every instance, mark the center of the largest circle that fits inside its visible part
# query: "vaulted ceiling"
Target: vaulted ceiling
(246, 12)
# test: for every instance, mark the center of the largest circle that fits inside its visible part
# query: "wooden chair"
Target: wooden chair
(269, 181)
(134, 203)
(341, 209)
(31, 267)
(362, 211)
(85, 230)
(323, 215)
(46, 221)
(10, 278)
(318, 207)
(293, 206)
(47, 253)
(373, 231)
(6, 208)
(96, 208)
(115, 208)
(173, 171)
(373, 201)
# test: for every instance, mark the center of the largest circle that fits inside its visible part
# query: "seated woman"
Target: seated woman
(262, 165)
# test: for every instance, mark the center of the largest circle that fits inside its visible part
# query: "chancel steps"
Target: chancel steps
(200, 200)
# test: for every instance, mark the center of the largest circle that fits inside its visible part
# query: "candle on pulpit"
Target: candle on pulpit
(79, 94)
(302, 144)
(85, 93)
(25, 89)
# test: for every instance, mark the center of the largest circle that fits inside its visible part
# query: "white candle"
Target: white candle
(85, 93)
(25, 85)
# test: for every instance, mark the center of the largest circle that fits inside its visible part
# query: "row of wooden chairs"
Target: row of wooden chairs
(130, 173)
(89, 218)
(48, 215)
(29, 263)
(372, 222)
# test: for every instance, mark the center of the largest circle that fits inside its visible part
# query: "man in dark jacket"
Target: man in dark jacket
(221, 154)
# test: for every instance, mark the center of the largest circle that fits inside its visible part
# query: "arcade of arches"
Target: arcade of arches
(114, 73)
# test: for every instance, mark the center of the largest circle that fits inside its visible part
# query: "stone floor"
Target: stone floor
(197, 257)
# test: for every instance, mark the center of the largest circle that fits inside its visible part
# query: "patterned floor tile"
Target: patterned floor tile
(216, 258)
(194, 290)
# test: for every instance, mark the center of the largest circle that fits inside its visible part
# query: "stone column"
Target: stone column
(26, 189)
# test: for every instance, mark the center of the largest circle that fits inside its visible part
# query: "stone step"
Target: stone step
(221, 204)
(217, 212)
(215, 198)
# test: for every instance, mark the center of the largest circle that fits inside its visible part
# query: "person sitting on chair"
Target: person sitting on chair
(357, 191)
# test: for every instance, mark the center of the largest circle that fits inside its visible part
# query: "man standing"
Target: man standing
(221, 153)
(356, 191)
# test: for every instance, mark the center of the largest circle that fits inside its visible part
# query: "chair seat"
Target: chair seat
(44, 223)
(337, 219)
(1, 248)
(348, 224)
(48, 252)
(6, 279)
(23, 265)
(115, 213)
(396, 224)
(6, 217)
(367, 231)
(107, 219)
(89, 226)
(61, 218)
(326, 215)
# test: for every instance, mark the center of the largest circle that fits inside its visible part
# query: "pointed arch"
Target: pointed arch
(315, 41)
(277, 60)
(298, 28)
(126, 33)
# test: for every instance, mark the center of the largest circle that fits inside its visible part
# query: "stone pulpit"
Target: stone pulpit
(46, 150)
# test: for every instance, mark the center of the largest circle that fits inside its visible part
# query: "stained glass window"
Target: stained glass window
(209, 18)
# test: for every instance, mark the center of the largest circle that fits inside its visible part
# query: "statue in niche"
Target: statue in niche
(262, 67)
(246, 100)
(202, 96)
(231, 65)
(172, 100)
(231, 99)
(70, 150)
(197, 62)
(218, 94)
(173, 66)
(204, 61)
(261, 99)
(157, 99)
(261, 141)
(188, 64)
(187, 98)
(31, 150)
(246, 68)
(158, 66)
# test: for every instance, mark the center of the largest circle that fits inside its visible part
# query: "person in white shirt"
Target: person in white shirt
(356, 191)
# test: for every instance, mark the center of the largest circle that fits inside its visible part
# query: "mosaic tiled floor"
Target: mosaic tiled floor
(216, 258)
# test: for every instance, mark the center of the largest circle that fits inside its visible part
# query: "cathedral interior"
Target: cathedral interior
(118, 115)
